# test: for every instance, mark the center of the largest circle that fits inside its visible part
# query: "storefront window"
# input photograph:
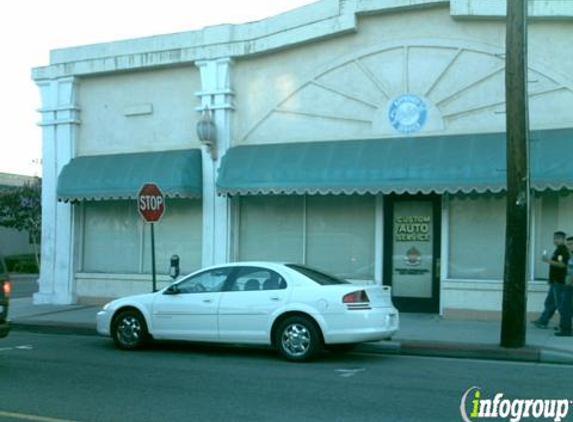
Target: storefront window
(476, 237)
(112, 237)
(553, 212)
(116, 240)
(178, 232)
(271, 228)
(340, 235)
(332, 233)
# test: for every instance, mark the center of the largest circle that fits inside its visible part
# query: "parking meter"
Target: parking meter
(174, 269)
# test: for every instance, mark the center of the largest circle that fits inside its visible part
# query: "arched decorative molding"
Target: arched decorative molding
(460, 81)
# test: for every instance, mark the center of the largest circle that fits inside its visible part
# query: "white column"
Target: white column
(59, 122)
(445, 248)
(216, 93)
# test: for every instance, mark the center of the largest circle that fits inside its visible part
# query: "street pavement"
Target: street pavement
(74, 378)
(420, 334)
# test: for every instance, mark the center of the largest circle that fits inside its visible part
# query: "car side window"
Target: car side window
(208, 281)
(254, 278)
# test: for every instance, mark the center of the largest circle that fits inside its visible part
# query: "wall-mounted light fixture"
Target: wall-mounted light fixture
(207, 133)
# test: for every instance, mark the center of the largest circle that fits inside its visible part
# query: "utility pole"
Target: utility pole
(514, 308)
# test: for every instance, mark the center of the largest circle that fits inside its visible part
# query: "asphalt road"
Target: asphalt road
(62, 378)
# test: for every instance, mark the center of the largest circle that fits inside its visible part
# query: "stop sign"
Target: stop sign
(151, 202)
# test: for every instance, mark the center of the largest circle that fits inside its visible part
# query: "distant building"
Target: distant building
(362, 137)
(12, 241)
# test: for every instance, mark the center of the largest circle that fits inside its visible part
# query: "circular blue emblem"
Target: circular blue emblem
(407, 113)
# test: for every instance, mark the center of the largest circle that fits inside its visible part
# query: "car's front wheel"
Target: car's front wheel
(129, 330)
(298, 338)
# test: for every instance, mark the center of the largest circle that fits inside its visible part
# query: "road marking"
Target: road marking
(24, 347)
(33, 418)
(345, 373)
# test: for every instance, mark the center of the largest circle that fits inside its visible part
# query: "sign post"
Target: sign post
(151, 206)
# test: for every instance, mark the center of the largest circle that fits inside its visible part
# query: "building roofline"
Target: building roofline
(320, 20)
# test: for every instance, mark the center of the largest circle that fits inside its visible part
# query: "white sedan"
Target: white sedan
(292, 307)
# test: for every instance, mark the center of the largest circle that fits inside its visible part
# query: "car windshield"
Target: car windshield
(317, 276)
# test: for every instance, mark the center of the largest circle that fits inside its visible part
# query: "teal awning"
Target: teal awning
(105, 177)
(457, 163)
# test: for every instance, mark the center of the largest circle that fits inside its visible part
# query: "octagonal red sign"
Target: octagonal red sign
(151, 202)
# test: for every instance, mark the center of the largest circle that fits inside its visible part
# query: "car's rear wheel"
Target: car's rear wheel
(129, 330)
(298, 338)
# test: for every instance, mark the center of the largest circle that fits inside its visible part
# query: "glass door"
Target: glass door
(412, 251)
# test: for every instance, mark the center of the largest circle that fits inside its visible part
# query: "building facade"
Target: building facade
(363, 137)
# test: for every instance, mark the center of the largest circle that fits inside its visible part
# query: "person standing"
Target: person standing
(565, 306)
(557, 272)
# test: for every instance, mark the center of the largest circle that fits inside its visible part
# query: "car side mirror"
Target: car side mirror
(172, 290)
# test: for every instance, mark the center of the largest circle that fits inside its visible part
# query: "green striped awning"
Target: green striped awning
(457, 163)
(107, 177)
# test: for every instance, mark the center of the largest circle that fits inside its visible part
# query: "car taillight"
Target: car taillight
(359, 296)
(6, 288)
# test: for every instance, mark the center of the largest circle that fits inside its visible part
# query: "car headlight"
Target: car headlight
(107, 306)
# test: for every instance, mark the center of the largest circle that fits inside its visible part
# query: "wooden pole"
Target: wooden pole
(513, 324)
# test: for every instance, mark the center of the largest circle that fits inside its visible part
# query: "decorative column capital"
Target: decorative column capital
(58, 101)
(216, 92)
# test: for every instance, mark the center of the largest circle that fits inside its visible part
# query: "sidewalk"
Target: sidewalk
(420, 334)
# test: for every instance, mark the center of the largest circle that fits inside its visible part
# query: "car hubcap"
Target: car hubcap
(129, 330)
(296, 339)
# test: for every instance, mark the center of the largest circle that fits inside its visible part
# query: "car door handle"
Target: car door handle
(275, 298)
(207, 300)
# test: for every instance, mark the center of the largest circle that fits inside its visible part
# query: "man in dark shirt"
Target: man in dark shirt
(557, 272)
(565, 307)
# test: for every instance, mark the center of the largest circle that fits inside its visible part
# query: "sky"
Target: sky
(29, 29)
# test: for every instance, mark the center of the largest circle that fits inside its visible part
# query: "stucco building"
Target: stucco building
(364, 137)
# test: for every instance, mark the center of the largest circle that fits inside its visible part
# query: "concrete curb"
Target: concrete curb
(395, 347)
(471, 351)
(465, 351)
(556, 356)
(54, 328)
